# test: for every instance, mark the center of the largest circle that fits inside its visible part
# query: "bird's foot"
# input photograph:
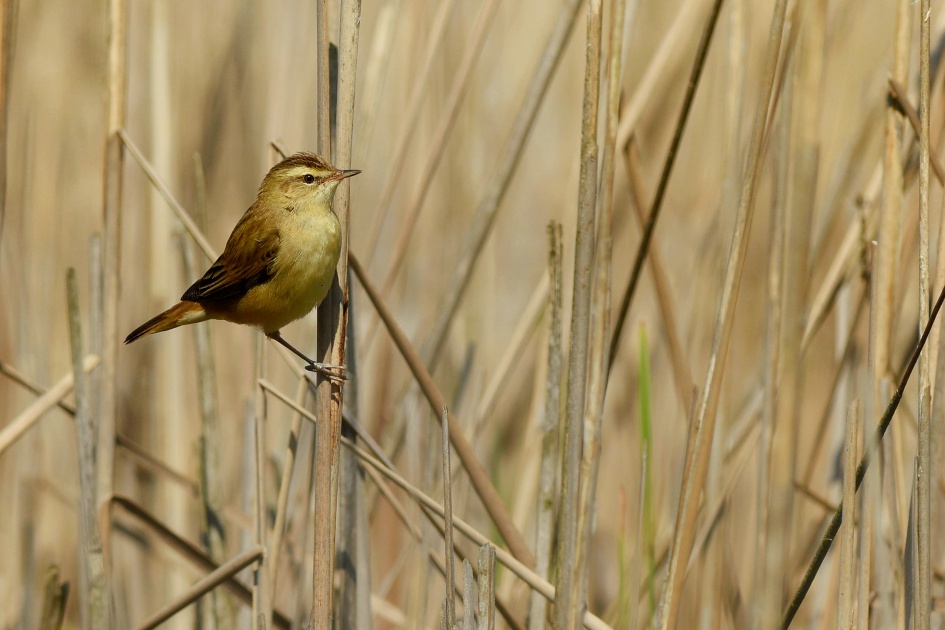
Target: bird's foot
(330, 371)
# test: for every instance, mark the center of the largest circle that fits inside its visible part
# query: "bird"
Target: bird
(278, 263)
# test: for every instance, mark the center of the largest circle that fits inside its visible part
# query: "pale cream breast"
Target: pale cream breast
(303, 270)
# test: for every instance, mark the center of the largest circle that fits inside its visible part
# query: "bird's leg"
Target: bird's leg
(328, 370)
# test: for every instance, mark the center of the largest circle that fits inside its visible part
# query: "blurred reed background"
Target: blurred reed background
(818, 318)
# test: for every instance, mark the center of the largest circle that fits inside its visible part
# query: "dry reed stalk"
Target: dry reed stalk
(485, 561)
(495, 190)
(663, 65)
(570, 582)
(469, 617)
(288, 467)
(202, 587)
(333, 312)
(599, 298)
(21, 379)
(113, 166)
(706, 415)
(901, 99)
(654, 211)
(326, 432)
(847, 591)
(262, 597)
(8, 14)
(161, 186)
(24, 421)
(211, 485)
(924, 470)
(474, 468)
(550, 456)
(890, 213)
(93, 585)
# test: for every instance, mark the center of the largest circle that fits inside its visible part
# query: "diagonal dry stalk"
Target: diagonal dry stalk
(474, 468)
(869, 452)
(202, 587)
(654, 213)
(518, 568)
(26, 419)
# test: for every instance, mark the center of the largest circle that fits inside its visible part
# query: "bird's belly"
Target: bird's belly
(302, 274)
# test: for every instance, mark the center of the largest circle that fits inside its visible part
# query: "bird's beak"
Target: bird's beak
(345, 174)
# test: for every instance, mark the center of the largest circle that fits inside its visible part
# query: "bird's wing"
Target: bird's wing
(246, 262)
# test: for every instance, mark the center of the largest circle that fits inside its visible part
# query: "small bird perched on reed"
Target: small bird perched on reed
(278, 263)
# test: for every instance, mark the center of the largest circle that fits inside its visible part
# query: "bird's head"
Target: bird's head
(301, 179)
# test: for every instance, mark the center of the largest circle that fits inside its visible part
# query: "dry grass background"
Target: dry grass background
(222, 80)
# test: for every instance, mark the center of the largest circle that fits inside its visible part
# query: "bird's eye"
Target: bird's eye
(308, 178)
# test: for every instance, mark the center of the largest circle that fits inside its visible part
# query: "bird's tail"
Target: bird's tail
(178, 315)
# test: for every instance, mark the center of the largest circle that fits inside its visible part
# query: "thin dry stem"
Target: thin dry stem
(657, 205)
(202, 587)
(599, 316)
(189, 224)
(333, 312)
(924, 472)
(474, 468)
(23, 422)
(571, 582)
